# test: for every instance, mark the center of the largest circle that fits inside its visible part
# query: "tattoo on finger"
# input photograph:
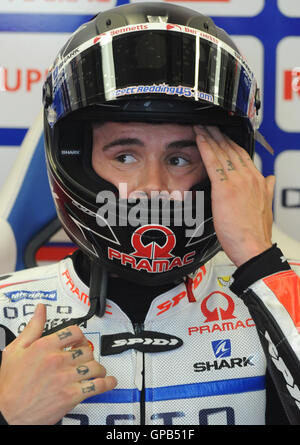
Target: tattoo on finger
(230, 165)
(64, 334)
(82, 370)
(222, 174)
(242, 161)
(76, 353)
(90, 388)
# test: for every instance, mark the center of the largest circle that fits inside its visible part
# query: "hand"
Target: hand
(40, 381)
(241, 196)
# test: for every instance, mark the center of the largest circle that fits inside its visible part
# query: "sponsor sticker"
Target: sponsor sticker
(145, 341)
(221, 348)
(222, 351)
(18, 295)
(165, 89)
(151, 257)
(219, 315)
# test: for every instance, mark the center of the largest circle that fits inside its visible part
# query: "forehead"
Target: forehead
(143, 129)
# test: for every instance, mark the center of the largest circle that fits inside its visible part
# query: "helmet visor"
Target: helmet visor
(153, 60)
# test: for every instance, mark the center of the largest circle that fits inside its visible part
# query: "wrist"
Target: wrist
(245, 255)
(267, 263)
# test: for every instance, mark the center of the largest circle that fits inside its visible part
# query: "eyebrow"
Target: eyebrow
(123, 141)
(182, 143)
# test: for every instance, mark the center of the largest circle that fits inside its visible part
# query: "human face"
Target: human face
(147, 157)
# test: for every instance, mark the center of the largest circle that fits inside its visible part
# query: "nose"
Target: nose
(152, 180)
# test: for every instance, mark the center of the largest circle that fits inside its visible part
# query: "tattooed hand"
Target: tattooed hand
(241, 196)
(40, 381)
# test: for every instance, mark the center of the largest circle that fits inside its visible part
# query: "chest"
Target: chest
(217, 376)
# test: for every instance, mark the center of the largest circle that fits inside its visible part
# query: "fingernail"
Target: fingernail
(199, 129)
(201, 138)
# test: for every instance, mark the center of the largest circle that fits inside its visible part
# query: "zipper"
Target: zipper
(140, 374)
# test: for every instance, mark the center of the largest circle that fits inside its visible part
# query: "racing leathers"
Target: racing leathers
(210, 350)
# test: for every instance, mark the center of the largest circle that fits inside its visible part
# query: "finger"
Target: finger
(70, 336)
(213, 165)
(214, 138)
(34, 328)
(235, 156)
(241, 154)
(77, 356)
(222, 148)
(96, 386)
(87, 371)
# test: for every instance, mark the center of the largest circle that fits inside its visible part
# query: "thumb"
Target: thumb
(35, 327)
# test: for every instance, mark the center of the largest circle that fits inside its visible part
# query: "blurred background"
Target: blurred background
(32, 32)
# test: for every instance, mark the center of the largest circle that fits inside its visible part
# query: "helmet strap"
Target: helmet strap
(98, 288)
(98, 292)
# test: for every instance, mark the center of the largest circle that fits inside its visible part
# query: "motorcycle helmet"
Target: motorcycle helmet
(143, 62)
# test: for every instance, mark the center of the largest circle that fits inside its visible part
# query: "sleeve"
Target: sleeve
(271, 291)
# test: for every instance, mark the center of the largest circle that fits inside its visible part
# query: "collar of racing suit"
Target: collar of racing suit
(135, 300)
(132, 301)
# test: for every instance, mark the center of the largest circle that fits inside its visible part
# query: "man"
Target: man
(151, 115)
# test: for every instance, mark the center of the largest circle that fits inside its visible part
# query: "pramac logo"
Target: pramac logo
(220, 314)
(149, 255)
(220, 311)
(153, 250)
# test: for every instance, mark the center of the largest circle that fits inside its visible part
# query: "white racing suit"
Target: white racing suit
(200, 357)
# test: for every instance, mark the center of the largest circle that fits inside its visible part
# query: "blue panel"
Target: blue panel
(194, 390)
(12, 136)
(116, 396)
(206, 389)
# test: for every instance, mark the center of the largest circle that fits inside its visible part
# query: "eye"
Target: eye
(126, 158)
(179, 161)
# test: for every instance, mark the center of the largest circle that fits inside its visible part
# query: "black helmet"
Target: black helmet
(149, 62)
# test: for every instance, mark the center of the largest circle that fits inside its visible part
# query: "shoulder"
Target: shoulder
(26, 284)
